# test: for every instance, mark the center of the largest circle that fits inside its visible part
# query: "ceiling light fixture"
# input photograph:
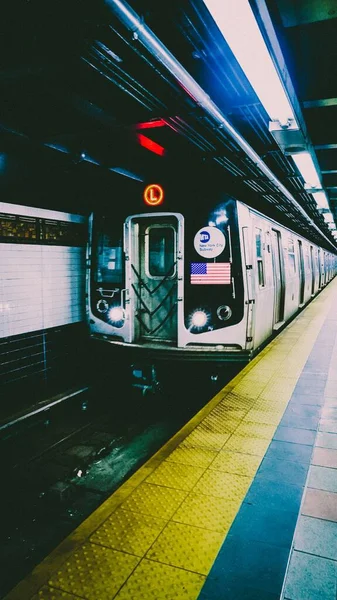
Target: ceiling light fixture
(305, 165)
(126, 173)
(328, 218)
(58, 148)
(321, 199)
(239, 27)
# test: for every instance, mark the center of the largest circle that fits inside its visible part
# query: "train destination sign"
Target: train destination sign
(209, 242)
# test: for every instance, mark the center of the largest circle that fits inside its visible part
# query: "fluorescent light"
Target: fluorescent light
(328, 218)
(89, 159)
(126, 173)
(306, 167)
(321, 199)
(238, 25)
(59, 148)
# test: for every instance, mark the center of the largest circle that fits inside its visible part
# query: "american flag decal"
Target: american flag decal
(211, 273)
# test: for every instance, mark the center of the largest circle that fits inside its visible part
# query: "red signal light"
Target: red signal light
(151, 124)
(150, 145)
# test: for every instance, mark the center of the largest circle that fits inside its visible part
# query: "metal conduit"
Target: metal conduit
(152, 43)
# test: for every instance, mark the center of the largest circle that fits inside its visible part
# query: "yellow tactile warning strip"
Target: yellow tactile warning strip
(158, 535)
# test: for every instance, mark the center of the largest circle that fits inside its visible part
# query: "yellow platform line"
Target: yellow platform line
(158, 535)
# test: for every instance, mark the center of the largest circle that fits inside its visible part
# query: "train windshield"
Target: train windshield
(161, 251)
(108, 259)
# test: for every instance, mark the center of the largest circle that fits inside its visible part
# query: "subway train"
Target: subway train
(211, 282)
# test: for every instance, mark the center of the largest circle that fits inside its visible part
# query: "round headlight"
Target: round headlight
(116, 316)
(224, 312)
(199, 318)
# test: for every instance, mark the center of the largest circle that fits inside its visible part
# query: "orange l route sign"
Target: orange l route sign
(153, 194)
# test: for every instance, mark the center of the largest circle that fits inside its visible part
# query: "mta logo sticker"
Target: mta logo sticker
(209, 242)
(204, 236)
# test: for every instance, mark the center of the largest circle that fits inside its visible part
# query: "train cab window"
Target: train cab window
(291, 255)
(161, 251)
(259, 256)
(109, 260)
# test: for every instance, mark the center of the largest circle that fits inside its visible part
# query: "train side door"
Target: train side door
(319, 268)
(250, 286)
(152, 252)
(301, 272)
(324, 268)
(278, 273)
(312, 266)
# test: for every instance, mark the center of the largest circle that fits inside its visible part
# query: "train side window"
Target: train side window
(291, 255)
(161, 252)
(259, 256)
(307, 257)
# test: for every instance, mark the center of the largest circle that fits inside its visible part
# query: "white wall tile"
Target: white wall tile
(40, 287)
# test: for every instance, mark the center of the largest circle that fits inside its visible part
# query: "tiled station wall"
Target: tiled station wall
(42, 290)
(40, 287)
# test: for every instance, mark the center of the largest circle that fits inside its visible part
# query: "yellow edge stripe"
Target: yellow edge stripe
(277, 359)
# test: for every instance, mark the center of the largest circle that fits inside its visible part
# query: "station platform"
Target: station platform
(240, 504)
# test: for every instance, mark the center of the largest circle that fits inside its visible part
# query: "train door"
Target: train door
(312, 266)
(250, 286)
(153, 249)
(319, 266)
(301, 272)
(278, 272)
(324, 269)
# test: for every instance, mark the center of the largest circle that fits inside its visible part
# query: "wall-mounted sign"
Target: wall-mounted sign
(153, 194)
(209, 242)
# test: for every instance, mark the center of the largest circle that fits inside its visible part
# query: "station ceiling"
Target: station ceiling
(76, 85)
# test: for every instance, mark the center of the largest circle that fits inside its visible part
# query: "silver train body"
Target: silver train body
(211, 285)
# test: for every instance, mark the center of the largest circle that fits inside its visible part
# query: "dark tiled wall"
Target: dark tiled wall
(42, 362)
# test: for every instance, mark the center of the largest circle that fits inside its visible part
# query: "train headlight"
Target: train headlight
(224, 312)
(199, 318)
(116, 316)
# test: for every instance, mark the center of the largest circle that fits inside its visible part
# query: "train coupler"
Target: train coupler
(144, 378)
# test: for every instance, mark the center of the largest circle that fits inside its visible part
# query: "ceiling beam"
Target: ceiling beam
(325, 146)
(303, 12)
(320, 103)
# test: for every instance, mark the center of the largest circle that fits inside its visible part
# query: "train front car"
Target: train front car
(170, 284)
(214, 303)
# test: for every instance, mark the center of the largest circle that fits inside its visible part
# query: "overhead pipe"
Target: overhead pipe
(152, 43)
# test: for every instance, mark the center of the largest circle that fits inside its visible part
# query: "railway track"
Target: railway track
(67, 456)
